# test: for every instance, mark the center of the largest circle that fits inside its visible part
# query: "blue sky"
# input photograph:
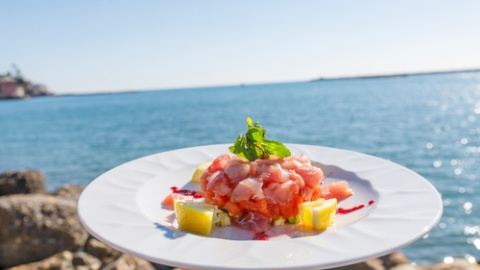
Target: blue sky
(96, 46)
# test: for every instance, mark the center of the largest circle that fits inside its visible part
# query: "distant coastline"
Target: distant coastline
(24, 89)
(379, 76)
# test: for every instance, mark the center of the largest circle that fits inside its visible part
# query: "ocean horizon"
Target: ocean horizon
(428, 123)
(320, 78)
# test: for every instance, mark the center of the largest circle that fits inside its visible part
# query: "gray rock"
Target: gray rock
(393, 259)
(129, 262)
(101, 251)
(86, 261)
(22, 182)
(68, 191)
(161, 266)
(36, 226)
(59, 261)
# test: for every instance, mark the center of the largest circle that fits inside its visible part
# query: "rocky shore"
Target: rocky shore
(41, 230)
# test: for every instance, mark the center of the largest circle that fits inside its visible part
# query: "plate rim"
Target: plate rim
(88, 219)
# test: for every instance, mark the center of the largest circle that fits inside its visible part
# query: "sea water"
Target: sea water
(428, 123)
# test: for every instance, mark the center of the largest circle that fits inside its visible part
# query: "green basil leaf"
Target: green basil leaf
(276, 148)
(253, 145)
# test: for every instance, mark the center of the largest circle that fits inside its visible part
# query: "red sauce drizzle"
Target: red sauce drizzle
(260, 236)
(342, 210)
(187, 192)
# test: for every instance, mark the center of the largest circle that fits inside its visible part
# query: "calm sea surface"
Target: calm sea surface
(427, 123)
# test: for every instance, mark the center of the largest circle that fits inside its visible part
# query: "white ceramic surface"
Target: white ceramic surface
(123, 208)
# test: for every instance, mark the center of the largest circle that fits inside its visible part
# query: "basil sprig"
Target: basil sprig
(253, 145)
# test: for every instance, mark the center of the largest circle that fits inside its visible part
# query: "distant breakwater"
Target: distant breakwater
(394, 75)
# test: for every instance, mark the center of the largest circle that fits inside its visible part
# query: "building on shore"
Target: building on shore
(10, 88)
(14, 87)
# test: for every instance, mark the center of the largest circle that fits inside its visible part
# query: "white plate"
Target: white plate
(123, 208)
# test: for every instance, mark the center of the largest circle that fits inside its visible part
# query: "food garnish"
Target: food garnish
(253, 145)
(200, 170)
(318, 215)
(195, 217)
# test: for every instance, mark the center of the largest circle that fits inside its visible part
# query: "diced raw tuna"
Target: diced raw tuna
(338, 190)
(270, 188)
